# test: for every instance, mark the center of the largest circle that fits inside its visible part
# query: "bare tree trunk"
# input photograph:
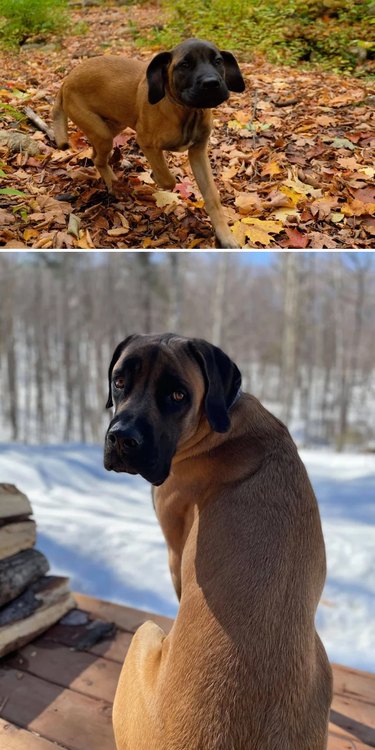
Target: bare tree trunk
(290, 327)
(174, 317)
(219, 299)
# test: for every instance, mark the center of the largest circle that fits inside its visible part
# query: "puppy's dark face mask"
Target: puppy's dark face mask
(197, 74)
(159, 385)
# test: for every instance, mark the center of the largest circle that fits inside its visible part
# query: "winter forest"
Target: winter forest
(300, 326)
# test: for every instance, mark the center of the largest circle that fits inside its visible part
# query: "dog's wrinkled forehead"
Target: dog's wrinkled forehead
(194, 49)
(145, 352)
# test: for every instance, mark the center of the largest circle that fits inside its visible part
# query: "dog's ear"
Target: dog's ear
(115, 356)
(222, 378)
(233, 76)
(156, 76)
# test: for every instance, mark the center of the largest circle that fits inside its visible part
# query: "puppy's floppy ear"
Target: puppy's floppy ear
(233, 76)
(222, 378)
(114, 359)
(156, 76)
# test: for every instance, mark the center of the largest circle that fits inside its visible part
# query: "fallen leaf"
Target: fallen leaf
(118, 231)
(342, 143)
(325, 120)
(296, 239)
(270, 169)
(146, 177)
(74, 225)
(336, 217)
(256, 230)
(358, 208)
(302, 188)
(248, 203)
(165, 198)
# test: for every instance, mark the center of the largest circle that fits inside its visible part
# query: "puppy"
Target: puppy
(167, 102)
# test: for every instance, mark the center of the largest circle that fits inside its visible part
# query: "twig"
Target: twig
(253, 115)
(39, 123)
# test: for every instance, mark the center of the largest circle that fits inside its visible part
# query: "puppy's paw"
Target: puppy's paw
(227, 242)
(166, 183)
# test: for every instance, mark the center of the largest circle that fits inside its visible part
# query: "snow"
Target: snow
(99, 528)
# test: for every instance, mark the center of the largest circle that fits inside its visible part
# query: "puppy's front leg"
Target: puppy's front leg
(201, 167)
(136, 724)
(160, 169)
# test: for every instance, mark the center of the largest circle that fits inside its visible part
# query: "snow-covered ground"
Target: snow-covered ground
(99, 528)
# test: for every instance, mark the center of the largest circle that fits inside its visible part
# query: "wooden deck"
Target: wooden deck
(55, 698)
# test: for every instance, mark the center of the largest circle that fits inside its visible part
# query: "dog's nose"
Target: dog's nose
(211, 82)
(124, 438)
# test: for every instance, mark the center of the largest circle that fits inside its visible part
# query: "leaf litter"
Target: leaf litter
(293, 158)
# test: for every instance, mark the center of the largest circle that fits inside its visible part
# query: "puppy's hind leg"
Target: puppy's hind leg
(100, 136)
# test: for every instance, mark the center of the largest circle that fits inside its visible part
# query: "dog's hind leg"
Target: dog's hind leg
(136, 721)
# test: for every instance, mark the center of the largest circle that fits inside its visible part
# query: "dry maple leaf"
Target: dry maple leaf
(256, 230)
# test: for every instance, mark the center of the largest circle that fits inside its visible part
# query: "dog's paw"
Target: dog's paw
(227, 242)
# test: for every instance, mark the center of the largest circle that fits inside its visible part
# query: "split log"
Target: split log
(18, 571)
(53, 601)
(16, 537)
(13, 502)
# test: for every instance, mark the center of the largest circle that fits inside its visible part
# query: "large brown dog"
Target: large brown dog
(168, 103)
(243, 667)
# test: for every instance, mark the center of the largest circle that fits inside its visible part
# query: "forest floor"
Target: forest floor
(293, 157)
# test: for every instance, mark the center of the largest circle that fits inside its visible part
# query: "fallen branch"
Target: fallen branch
(39, 123)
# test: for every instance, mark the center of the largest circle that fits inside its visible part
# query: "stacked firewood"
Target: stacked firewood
(30, 601)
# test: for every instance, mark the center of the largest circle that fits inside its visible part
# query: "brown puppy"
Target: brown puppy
(243, 667)
(168, 103)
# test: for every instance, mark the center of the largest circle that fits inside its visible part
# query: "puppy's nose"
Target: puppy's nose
(124, 438)
(211, 82)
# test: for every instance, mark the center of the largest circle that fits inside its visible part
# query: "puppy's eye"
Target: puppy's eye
(218, 61)
(184, 64)
(119, 383)
(178, 396)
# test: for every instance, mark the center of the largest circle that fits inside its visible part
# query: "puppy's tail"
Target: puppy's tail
(60, 122)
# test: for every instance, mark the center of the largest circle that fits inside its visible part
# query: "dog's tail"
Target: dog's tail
(60, 122)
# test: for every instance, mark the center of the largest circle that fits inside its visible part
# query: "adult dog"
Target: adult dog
(243, 667)
(168, 103)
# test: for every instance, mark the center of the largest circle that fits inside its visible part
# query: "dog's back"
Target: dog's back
(253, 570)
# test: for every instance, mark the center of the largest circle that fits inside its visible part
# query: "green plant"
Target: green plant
(20, 19)
(327, 32)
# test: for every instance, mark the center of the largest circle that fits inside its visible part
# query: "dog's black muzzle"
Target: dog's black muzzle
(130, 447)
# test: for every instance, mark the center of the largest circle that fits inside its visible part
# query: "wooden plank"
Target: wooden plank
(354, 719)
(13, 502)
(126, 618)
(16, 537)
(14, 738)
(354, 683)
(88, 674)
(343, 743)
(114, 647)
(71, 719)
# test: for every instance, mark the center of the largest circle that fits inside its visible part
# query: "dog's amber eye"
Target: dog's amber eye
(177, 396)
(119, 382)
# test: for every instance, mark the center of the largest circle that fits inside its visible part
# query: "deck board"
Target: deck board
(55, 698)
